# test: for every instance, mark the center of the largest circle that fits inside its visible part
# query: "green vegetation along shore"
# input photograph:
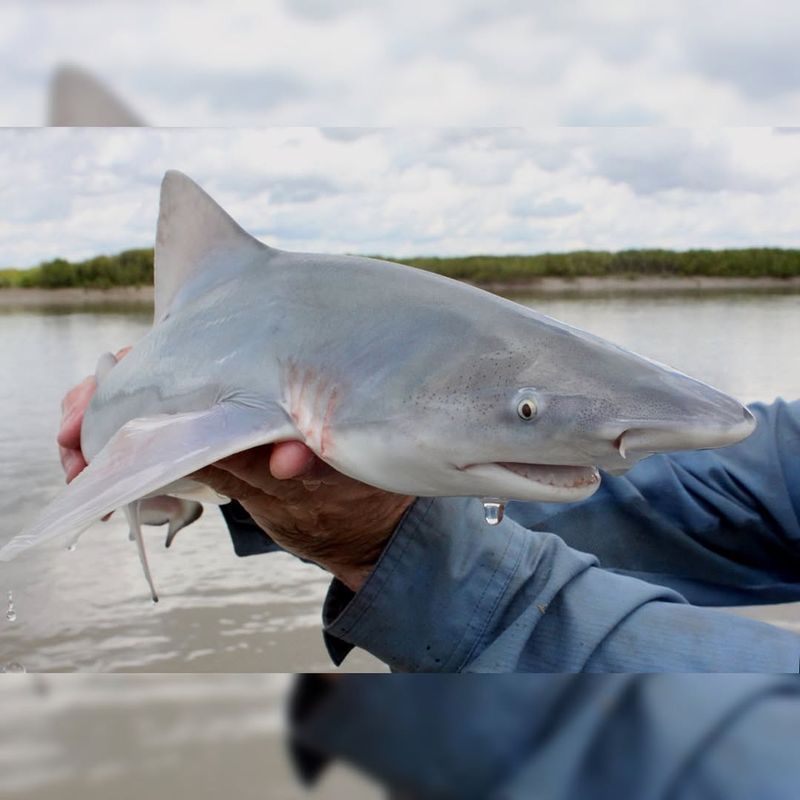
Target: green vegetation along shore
(135, 267)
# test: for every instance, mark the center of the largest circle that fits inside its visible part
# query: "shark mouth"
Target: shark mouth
(560, 477)
(544, 482)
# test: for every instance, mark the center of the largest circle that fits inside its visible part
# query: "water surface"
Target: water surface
(89, 609)
(128, 737)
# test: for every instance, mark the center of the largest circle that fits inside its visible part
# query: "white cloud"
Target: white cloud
(80, 192)
(247, 62)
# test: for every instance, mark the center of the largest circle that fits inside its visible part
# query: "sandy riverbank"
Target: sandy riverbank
(143, 295)
(65, 298)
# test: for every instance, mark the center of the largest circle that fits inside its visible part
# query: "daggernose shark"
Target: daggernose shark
(397, 377)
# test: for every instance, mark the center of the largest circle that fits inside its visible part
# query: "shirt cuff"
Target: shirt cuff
(248, 538)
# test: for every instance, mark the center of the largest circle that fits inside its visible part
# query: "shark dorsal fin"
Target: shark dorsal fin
(79, 99)
(194, 236)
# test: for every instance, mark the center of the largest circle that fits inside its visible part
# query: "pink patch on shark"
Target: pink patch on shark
(311, 399)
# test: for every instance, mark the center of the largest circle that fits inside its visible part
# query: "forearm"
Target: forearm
(452, 594)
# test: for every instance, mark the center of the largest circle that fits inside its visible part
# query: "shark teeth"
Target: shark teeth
(562, 477)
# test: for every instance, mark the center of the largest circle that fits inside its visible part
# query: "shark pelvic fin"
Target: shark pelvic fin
(195, 238)
(148, 454)
(190, 511)
(174, 512)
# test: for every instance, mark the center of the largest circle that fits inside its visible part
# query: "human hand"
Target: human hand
(73, 406)
(309, 508)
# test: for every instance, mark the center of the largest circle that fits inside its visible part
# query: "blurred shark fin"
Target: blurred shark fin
(78, 99)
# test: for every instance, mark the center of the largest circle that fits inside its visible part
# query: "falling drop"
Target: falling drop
(11, 614)
(72, 547)
(493, 509)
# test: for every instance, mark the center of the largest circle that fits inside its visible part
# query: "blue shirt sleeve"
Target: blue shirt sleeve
(559, 736)
(451, 594)
(722, 527)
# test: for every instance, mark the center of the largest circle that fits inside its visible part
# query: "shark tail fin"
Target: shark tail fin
(193, 236)
(146, 455)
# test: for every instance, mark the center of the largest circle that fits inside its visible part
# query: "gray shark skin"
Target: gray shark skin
(400, 378)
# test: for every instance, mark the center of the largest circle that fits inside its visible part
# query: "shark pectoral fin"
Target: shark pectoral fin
(148, 454)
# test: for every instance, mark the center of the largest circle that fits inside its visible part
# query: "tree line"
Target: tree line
(129, 268)
(751, 262)
(135, 267)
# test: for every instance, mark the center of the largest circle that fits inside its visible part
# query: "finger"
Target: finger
(73, 407)
(291, 460)
(73, 463)
(225, 482)
(123, 352)
(261, 468)
(249, 465)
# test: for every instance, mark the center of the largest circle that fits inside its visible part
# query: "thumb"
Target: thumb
(290, 460)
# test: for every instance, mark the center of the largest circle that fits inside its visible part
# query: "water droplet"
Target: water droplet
(13, 666)
(11, 614)
(493, 509)
(72, 547)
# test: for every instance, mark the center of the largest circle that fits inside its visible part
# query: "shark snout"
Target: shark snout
(699, 418)
(663, 411)
(642, 441)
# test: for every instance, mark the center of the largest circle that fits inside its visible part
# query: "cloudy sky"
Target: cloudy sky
(464, 62)
(81, 192)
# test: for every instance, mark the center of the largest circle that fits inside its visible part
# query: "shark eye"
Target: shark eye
(527, 409)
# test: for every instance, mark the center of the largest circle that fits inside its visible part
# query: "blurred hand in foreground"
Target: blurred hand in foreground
(307, 507)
